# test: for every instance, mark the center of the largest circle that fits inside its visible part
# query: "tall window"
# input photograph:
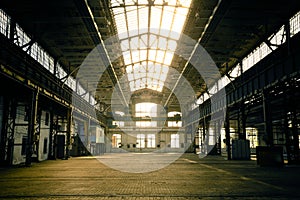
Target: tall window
(174, 140)
(140, 140)
(176, 122)
(251, 135)
(116, 140)
(151, 140)
(118, 123)
(146, 111)
(4, 23)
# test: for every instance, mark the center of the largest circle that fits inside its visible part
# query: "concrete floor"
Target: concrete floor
(188, 177)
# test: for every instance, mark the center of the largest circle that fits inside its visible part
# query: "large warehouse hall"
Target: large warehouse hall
(149, 99)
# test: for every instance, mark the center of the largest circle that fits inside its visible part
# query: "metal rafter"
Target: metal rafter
(120, 12)
(188, 61)
(90, 23)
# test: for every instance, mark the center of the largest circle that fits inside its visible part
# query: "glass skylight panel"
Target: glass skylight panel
(125, 45)
(155, 19)
(127, 59)
(143, 17)
(162, 43)
(167, 19)
(135, 56)
(168, 58)
(143, 55)
(146, 31)
(130, 76)
(153, 40)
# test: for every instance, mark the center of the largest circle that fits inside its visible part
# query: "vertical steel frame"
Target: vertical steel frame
(31, 127)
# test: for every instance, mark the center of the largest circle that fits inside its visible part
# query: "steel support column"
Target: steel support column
(227, 135)
(219, 141)
(68, 133)
(51, 154)
(31, 126)
(3, 138)
(203, 144)
(267, 120)
(295, 136)
(241, 115)
(8, 129)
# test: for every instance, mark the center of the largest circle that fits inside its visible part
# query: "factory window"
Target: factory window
(175, 140)
(151, 140)
(176, 119)
(36, 51)
(142, 124)
(174, 123)
(120, 113)
(22, 38)
(276, 39)
(118, 123)
(146, 111)
(118, 119)
(251, 135)
(116, 140)
(295, 24)
(4, 23)
(140, 140)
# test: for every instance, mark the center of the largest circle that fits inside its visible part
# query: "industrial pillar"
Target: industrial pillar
(3, 134)
(203, 142)
(51, 136)
(241, 115)
(295, 137)
(31, 126)
(267, 120)
(227, 135)
(219, 141)
(8, 129)
(68, 133)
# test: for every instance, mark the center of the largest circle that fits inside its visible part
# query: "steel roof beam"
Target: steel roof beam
(192, 54)
(92, 27)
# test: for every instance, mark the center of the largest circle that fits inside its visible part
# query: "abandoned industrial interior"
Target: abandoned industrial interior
(207, 84)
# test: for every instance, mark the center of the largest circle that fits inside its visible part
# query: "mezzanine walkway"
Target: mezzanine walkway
(188, 177)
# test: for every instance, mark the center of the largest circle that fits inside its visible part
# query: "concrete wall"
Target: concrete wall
(129, 143)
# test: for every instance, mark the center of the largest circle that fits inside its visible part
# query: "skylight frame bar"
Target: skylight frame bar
(158, 35)
(148, 37)
(142, 34)
(138, 25)
(154, 61)
(168, 50)
(126, 21)
(168, 37)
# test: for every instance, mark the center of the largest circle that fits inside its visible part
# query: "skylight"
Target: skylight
(148, 31)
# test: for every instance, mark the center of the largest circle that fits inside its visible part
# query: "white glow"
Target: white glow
(146, 110)
(152, 41)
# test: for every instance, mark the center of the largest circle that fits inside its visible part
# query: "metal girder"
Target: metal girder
(187, 63)
(90, 23)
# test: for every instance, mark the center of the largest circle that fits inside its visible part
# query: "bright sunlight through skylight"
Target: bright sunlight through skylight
(148, 31)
